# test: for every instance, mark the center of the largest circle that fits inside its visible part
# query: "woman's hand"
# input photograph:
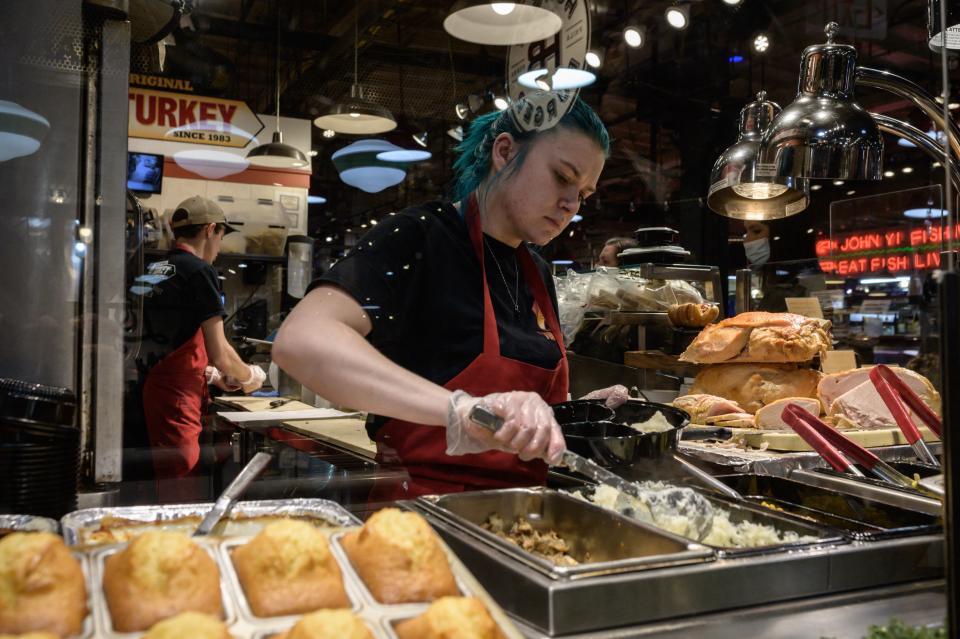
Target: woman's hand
(529, 428)
(615, 396)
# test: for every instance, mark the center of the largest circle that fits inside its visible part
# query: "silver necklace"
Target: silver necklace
(515, 298)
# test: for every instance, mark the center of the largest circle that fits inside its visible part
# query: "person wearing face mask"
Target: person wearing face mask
(756, 243)
(443, 307)
(182, 336)
(775, 289)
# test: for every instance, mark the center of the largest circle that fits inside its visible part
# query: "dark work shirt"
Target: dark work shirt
(179, 293)
(418, 277)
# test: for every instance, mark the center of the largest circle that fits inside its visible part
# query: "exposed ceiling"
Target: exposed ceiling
(671, 106)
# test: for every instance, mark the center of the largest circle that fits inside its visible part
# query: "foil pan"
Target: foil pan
(27, 523)
(238, 617)
(79, 526)
(810, 534)
(604, 542)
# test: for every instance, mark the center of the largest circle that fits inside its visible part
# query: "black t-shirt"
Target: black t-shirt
(418, 277)
(179, 293)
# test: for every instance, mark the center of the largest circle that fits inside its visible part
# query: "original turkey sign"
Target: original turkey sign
(177, 117)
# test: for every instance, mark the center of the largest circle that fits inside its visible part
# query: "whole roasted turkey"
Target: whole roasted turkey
(760, 337)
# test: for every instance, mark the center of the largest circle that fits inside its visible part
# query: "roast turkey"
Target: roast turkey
(769, 417)
(760, 337)
(851, 395)
(702, 406)
(753, 386)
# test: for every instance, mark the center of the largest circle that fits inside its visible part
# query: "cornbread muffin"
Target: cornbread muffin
(189, 625)
(451, 618)
(288, 568)
(32, 635)
(399, 558)
(328, 624)
(41, 585)
(158, 575)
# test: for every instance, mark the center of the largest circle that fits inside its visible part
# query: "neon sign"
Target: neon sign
(894, 250)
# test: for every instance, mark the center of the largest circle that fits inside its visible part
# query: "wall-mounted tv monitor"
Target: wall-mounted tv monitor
(144, 172)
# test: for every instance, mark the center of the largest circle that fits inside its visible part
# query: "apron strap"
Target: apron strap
(491, 336)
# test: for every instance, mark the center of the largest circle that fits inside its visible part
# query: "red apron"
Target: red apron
(421, 449)
(174, 399)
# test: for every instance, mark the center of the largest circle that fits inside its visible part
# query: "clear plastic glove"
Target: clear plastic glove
(529, 428)
(218, 379)
(614, 396)
(252, 383)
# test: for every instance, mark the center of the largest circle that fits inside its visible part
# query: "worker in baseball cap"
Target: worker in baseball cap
(184, 347)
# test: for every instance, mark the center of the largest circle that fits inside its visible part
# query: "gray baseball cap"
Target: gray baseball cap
(198, 210)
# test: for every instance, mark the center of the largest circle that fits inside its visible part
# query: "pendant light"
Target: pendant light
(501, 23)
(360, 167)
(356, 116)
(276, 154)
(740, 187)
(21, 130)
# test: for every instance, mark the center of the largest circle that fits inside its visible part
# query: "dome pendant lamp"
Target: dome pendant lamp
(21, 131)
(501, 23)
(276, 154)
(356, 116)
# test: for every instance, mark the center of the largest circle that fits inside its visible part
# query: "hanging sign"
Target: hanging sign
(176, 117)
(567, 48)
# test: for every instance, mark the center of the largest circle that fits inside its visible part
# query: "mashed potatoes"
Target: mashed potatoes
(724, 533)
(656, 424)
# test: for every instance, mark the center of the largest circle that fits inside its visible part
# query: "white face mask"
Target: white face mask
(758, 251)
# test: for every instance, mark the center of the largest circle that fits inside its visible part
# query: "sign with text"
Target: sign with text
(838, 361)
(895, 250)
(159, 115)
(806, 306)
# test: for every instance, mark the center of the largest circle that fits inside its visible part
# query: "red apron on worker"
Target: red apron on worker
(174, 399)
(421, 449)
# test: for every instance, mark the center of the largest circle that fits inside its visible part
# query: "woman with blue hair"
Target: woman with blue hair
(442, 307)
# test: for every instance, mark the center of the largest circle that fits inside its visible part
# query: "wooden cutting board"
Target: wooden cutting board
(789, 441)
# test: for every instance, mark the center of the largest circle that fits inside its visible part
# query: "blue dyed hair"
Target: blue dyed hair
(473, 165)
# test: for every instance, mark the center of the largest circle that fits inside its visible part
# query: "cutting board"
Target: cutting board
(789, 441)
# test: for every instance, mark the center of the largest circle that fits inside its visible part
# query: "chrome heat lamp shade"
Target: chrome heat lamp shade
(276, 154)
(357, 116)
(743, 189)
(824, 133)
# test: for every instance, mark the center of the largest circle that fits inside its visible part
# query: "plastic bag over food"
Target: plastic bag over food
(572, 302)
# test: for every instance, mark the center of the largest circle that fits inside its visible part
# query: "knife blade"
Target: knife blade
(225, 502)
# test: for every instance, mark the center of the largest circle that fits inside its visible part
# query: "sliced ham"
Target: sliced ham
(769, 417)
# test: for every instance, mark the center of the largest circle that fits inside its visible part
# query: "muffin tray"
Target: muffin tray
(79, 525)
(27, 523)
(379, 617)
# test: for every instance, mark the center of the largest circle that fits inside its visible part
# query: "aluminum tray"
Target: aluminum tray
(78, 524)
(743, 511)
(27, 523)
(867, 488)
(615, 543)
(856, 517)
(244, 624)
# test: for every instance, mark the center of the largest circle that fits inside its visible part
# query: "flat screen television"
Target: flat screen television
(144, 172)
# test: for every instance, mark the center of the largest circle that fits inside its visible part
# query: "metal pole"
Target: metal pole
(744, 285)
(949, 292)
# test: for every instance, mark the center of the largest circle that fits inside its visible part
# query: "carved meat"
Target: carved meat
(851, 396)
(768, 417)
(753, 386)
(760, 337)
(701, 406)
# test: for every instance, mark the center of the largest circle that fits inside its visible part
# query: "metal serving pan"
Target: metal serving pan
(79, 525)
(858, 518)
(603, 541)
(812, 534)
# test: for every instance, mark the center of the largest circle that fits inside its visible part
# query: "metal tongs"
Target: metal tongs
(833, 446)
(894, 392)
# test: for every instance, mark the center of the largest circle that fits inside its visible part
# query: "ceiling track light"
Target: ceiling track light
(733, 3)
(420, 138)
(761, 43)
(594, 58)
(678, 16)
(635, 35)
(501, 103)
(461, 110)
